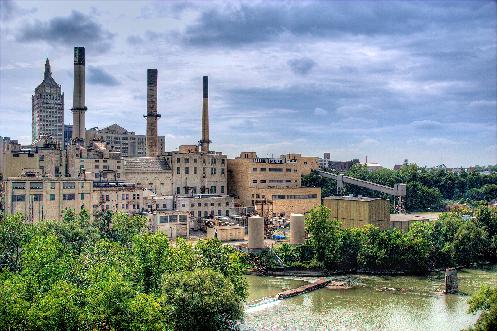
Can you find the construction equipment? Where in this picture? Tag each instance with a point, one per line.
(399, 191)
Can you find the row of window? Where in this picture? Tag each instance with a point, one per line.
(187, 190)
(273, 169)
(187, 171)
(39, 185)
(294, 196)
(187, 160)
(39, 197)
(272, 181)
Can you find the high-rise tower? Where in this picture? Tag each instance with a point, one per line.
(204, 143)
(152, 115)
(48, 109)
(78, 103)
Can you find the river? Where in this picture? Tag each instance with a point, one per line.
(374, 303)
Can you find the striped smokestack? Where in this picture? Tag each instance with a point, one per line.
(152, 116)
(78, 103)
(204, 143)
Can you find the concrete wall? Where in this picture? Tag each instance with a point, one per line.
(357, 212)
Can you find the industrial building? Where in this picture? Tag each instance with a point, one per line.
(40, 198)
(272, 185)
(359, 211)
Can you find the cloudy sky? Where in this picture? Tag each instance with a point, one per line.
(391, 80)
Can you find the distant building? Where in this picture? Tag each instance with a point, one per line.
(67, 135)
(121, 140)
(373, 166)
(48, 109)
(340, 166)
(272, 185)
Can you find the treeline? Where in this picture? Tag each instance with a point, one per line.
(427, 189)
(112, 274)
(448, 242)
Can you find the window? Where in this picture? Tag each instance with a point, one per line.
(182, 218)
(69, 185)
(222, 188)
(254, 169)
(164, 206)
(178, 171)
(97, 166)
(37, 197)
(69, 196)
(213, 171)
(36, 185)
(52, 185)
(222, 161)
(178, 160)
(183, 205)
(52, 197)
(194, 160)
(18, 185)
(222, 171)
(194, 170)
(263, 169)
(254, 181)
(107, 197)
(82, 196)
(227, 203)
(288, 170)
(212, 204)
(163, 219)
(263, 180)
(18, 197)
(219, 212)
(275, 170)
(213, 189)
(187, 170)
(122, 196)
(187, 160)
(177, 190)
(192, 205)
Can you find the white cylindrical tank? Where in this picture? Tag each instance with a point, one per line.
(297, 229)
(256, 232)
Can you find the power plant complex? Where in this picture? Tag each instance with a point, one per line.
(112, 169)
(189, 189)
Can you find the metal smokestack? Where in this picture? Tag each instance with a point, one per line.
(204, 143)
(78, 103)
(152, 116)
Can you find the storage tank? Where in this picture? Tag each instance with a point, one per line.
(297, 229)
(256, 232)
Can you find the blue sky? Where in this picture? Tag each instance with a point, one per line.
(391, 80)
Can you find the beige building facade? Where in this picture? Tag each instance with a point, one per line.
(41, 198)
(205, 205)
(272, 185)
(194, 172)
(152, 173)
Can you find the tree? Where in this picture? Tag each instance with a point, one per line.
(484, 301)
(14, 233)
(202, 299)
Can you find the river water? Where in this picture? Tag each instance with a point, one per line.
(374, 303)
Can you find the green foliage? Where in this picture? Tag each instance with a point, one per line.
(447, 242)
(484, 301)
(111, 274)
(14, 233)
(202, 300)
(427, 189)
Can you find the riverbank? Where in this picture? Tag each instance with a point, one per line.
(373, 303)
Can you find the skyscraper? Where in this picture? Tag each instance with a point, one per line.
(48, 109)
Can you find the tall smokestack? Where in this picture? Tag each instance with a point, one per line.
(204, 143)
(78, 103)
(152, 116)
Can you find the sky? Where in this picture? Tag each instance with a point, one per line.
(390, 80)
